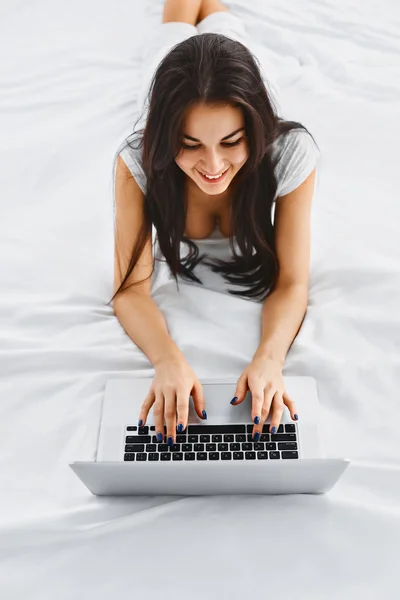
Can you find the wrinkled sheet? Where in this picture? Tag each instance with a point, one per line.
(69, 79)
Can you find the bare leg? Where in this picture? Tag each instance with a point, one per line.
(185, 11)
(211, 6)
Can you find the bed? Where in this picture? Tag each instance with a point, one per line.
(69, 80)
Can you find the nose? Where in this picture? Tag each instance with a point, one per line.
(213, 163)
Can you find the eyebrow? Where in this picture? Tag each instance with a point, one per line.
(224, 138)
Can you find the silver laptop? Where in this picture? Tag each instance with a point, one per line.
(215, 456)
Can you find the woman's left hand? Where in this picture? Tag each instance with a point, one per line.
(264, 379)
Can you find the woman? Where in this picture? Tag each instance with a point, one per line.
(213, 159)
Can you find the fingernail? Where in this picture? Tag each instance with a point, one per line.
(204, 414)
(140, 423)
(256, 436)
(296, 417)
(256, 420)
(160, 437)
(234, 399)
(273, 430)
(180, 428)
(170, 442)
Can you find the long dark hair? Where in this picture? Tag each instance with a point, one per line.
(213, 69)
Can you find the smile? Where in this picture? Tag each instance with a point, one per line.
(215, 178)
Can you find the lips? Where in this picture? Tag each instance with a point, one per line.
(213, 180)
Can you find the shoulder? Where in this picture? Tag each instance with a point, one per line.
(294, 156)
(133, 160)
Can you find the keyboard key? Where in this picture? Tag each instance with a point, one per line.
(198, 447)
(290, 427)
(204, 438)
(138, 439)
(222, 447)
(211, 447)
(190, 456)
(175, 448)
(131, 428)
(181, 438)
(229, 437)
(216, 438)
(226, 455)
(213, 456)
(141, 456)
(234, 446)
(187, 447)
(258, 446)
(238, 456)
(134, 448)
(250, 455)
(240, 438)
(270, 446)
(162, 447)
(201, 456)
(129, 456)
(262, 455)
(274, 455)
(143, 430)
(264, 437)
(283, 437)
(151, 448)
(153, 456)
(247, 446)
(216, 429)
(290, 454)
(287, 446)
(177, 456)
(166, 456)
(193, 438)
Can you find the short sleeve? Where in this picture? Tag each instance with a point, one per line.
(296, 154)
(131, 158)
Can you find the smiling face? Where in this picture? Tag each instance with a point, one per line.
(208, 147)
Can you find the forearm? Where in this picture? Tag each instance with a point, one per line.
(145, 324)
(283, 313)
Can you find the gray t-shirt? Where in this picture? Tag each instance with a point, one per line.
(296, 156)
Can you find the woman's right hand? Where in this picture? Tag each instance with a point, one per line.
(174, 381)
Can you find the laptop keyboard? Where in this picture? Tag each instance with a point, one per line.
(212, 442)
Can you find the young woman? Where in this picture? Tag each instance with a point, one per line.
(212, 162)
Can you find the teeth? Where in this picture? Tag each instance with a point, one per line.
(213, 177)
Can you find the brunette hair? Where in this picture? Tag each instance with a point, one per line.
(213, 69)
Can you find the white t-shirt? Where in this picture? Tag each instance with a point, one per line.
(296, 155)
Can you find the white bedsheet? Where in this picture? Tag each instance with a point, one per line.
(69, 79)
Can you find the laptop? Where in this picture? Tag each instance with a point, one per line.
(213, 456)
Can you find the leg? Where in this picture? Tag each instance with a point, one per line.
(211, 6)
(185, 11)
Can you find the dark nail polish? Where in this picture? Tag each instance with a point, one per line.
(234, 400)
(273, 430)
(170, 442)
(204, 414)
(256, 436)
(140, 423)
(159, 437)
(296, 417)
(256, 420)
(180, 428)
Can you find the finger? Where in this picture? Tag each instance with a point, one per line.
(158, 412)
(146, 405)
(197, 394)
(257, 400)
(182, 409)
(277, 411)
(170, 415)
(267, 396)
(291, 406)
(241, 390)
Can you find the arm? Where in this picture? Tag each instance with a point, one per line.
(284, 309)
(134, 308)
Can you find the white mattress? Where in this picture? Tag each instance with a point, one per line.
(69, 77)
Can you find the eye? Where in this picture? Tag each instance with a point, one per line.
(225, 144)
